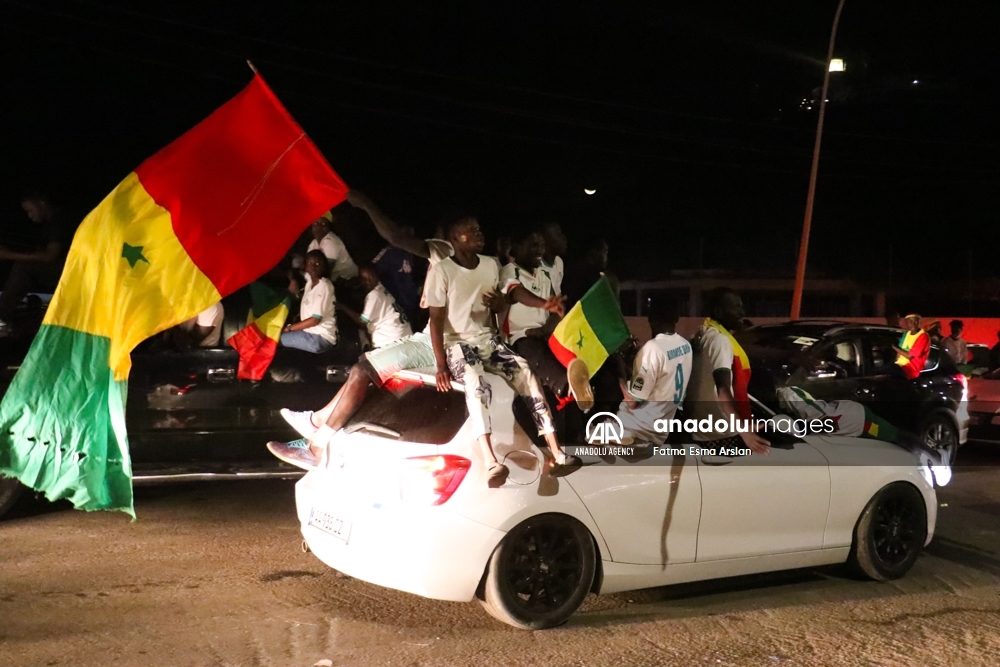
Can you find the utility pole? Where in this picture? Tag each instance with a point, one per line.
(800, 270)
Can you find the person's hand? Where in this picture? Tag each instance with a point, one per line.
(495, 301)
(756, 444)
(358, 199)
(443, 378)
(556, 304)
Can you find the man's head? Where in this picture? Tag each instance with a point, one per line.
(663, 314)
(528, 249)
(956, 328)
(597, 253)
(726, 307)
(892, 318)
(555, 240)
(368, 277)
(316, 265)
(913, 322)
(38, 206)
(320, 228)
(464, 234)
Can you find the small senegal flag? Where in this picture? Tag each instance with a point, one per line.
(257, 342)
(591, 330)
(204, 216)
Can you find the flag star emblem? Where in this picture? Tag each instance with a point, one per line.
(579, 343)
(133, 255)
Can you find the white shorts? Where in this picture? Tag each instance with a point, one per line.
(404, 354)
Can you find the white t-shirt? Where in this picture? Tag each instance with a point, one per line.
(210, 317)
(660, 377)
(385, 319)
(714, 352)
(319, 301)
(519, 316)
(556, 272)
(343, 267)
(461, 290)
(438, 250)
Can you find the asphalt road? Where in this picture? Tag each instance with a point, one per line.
(213, 574)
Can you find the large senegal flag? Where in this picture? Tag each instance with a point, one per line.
(198, 220)
(592, 329)
(257, 342)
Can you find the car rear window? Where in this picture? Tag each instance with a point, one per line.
(418, 413)
(782, 338)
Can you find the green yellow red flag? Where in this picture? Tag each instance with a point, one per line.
(198, 220)
(257, 342)
(592, 329)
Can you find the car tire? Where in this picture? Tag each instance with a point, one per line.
(10, 491)
(939, 431)
(540, 572)
(890, 532)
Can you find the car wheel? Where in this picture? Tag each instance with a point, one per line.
(540, 573)
(890, 533)
(940, 433)
(10, 490)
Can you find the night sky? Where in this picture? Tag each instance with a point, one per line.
(687, 119)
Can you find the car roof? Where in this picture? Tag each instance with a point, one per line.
(820, 328)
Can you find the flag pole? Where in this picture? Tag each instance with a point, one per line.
(252, 68)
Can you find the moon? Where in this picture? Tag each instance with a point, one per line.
(588, 191)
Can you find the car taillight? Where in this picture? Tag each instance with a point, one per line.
(432, 480)
(965, 386)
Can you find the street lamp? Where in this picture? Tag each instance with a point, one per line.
(800, 270)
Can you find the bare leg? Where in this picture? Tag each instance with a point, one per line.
(344, 404)
(487, 445)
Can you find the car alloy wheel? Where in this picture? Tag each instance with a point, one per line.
(890, 532)
(540, 573)
(940, 433)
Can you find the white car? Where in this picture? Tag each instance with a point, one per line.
(401, 500)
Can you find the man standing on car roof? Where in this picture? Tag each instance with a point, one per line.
(460, 292)
(720, 375)
(913, 348)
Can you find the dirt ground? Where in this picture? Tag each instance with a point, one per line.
(213, 574)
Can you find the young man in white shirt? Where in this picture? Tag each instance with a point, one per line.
(660, 377)
(956, 346)
(460, 292)
(527, 329)
(555, 247)
(382, 317)
(316, 330)
(202, 330)
(342, 267)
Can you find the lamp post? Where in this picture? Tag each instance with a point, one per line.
(800, 270)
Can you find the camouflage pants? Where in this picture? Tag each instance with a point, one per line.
(468, 363)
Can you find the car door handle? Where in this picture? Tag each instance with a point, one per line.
(717, 460)
(220, 375)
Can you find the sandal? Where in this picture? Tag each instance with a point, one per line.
(497, 475)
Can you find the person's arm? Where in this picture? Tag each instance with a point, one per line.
(304, 324)
(723, 378)
(352, 314)
(48, 254)
(443, 375)
(520, 294)
(388, 229)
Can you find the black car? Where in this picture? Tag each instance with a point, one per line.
(842, 361)
(188, 415)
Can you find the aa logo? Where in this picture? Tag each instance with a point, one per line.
(607, 429)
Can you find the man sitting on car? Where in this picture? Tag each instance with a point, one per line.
(382, 316)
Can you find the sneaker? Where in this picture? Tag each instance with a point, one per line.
(579, 384)
(497, 475)
(296, 452)
(300, 421)
(566, 464)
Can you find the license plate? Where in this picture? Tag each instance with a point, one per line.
(328, 523)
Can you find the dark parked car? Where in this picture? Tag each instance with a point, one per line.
(841, 361)
(189, 417)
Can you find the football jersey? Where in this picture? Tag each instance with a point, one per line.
(659, 380)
